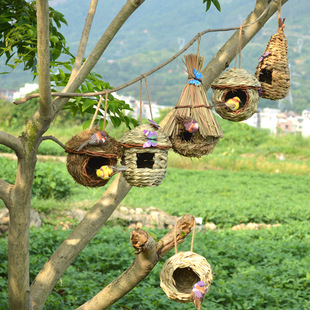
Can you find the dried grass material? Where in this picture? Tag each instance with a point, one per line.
(273, 71)
(236, 82)
(82, 164)
(147, 166)
(181, 271)
(193, 103)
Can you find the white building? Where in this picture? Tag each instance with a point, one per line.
(23, 91)
(269, 119)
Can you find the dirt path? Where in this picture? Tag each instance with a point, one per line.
(40, 157)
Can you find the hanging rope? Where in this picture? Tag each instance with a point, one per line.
(175, 237)
(96, 113)
(239, 48)
(105, 109)
(148, 95)
(140, 101)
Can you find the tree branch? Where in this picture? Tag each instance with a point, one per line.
(53, 139)
(84, 39)
(12, 142)
(76, 241)
(44, 58)
(145, 261)
(5, 192)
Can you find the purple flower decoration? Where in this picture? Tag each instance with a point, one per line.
(260, 92)
(261, 58)
(153, 123)
(152, 137)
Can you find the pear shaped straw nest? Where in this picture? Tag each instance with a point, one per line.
(181, 271)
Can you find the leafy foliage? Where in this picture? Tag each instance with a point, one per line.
(209, 2)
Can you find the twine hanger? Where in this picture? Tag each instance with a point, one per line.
(175, 237)
(280, 20)
(97, 109)
(148, 96)
(239, 48)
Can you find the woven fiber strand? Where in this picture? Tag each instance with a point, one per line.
(181, 271)
(82, 164)
(193, 103)
(273, 71)
(146, 166)
(236, 82)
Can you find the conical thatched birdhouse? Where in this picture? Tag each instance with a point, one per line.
(192, 127)
(85, 156)
(272, 70)
(145, 155)
(181, 271)
(236, 83)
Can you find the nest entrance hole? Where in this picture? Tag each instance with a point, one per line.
(95, 163)
(185, 136)
(145, 160)
(265, 76)
(237, 93)
(185, 278)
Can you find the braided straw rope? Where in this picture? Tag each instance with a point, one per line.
(144, 176)
(234, 80)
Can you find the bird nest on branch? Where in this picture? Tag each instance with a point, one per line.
(82, 163)
(181, 271)
(236, 82)
(272, 70)
(145, 155)
(193, 106)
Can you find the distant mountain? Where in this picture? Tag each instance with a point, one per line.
(158, 29)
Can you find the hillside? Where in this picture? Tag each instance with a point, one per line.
(160, 28)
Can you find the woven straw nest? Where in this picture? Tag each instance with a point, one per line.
(146, 166)
(181, 271)
(193, 103)
(82, 164)
(236, 82)
(273, 71)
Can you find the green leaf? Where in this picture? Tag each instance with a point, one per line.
(217, 5)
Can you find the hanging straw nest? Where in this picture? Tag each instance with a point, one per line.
(236, 82)
(181, 271)
(147, 166)
(272, 70)
(82, 164)
(193, 104)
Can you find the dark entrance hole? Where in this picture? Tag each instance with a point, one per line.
(145, 160)
(186, 136)
(185, 278)
(237, 93)
(95, 163)
(265, 76)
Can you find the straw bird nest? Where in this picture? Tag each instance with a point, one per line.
(181, 271)
(82, 164)
(236, 82)
(193, 104)
(146, 166)
(272, 70)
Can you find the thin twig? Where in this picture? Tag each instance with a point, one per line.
(142, 76)
(53, 139)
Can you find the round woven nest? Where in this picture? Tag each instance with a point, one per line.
(273, 71)
(146, 166)
(82, 164)
(181, 271)
(236, 82)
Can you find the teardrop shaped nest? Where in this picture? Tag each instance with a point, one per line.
(236, 82)
(273, 70)
(82, 165)
(146, 166)
(181, 271)
(193, 103)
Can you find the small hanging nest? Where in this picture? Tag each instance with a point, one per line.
(181, 271)
(193, 105)
(147, 165)
(236, 82)
(82, 164)
(272, 70)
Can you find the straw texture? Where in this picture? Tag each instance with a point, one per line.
(236, 82)
(181, 271)
(147, 166)
(193, 103)
(82, 164)
(273, 71)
